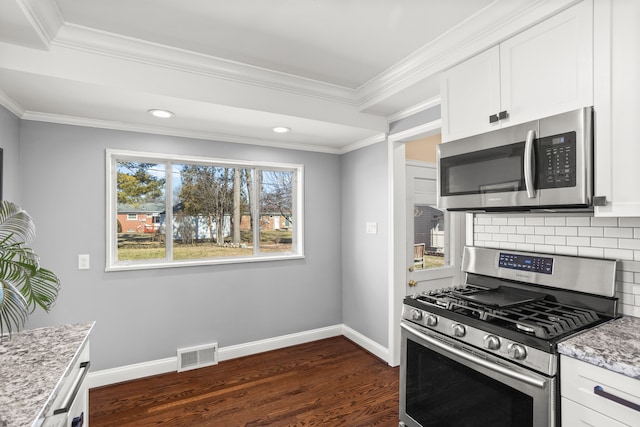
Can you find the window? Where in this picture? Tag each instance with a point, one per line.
(199, 210)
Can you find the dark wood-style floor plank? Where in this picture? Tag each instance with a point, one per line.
(331, 382)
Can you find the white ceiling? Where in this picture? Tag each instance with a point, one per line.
(334, 71)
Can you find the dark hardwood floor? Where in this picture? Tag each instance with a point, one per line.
(330, 382)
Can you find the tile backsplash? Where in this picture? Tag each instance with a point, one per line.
(574, 234)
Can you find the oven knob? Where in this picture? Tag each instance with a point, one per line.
(431, 320)
(518, 352)
(458, 330)
(416, 314)
(492, 342)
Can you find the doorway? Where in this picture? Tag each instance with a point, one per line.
(427, 242)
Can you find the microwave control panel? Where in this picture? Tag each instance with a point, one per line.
(556, 159)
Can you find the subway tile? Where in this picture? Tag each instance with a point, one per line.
(567, 250)
(483, 220)
(636, 233)
(579, 241)
(566, 231)
(618, 232)
(534, 239)
(495, 245)
(478, 228)
(629, 244)
(618, 254)
(516, 238)
(632, 266)
(527, 247)
(604, 222)
(624, 276)
(508, 229)
(591, 252)
(492, 228)
(523, 229)
(555, 220)
(545, 248)
(535, 220)
(600, 242)
(555, 240)
(508, 245)
(500, 238)
(545, 231)
(636, 255)
(591, 231)
(483, 236)
(636, 278)
(499, 220)
(578, 221)
(629, 222)
(515, 220)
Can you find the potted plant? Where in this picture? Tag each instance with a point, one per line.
(24, 285)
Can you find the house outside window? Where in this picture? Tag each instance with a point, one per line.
(167, 211)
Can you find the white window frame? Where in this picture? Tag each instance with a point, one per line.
(132, 217)
(112, 263)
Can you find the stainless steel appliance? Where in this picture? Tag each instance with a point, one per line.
(485, 353)
(543, 164)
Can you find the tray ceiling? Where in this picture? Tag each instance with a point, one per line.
(334, 71)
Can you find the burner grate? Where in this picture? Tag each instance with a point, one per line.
(546, 319)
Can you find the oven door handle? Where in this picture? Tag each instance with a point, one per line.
(475, 359)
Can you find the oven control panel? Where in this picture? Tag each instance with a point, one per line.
(533, 264)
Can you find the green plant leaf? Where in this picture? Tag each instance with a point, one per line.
(16, 225)
(13, 308)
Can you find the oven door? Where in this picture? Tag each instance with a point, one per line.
(444, 383)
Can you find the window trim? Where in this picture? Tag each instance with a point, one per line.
(111, 261)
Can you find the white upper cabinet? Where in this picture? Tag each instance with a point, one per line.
(470, 93)
(617, 106)
(545, 70)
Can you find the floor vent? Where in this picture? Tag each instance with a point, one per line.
(197, 357)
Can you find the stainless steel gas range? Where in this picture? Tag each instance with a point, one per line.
(485, 353)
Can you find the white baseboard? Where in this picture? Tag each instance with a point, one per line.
(366, 343)
(170, 364)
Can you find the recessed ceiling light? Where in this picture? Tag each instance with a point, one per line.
(162, 114)
(281, 129)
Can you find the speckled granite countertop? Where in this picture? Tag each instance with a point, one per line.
(614, 346)
(32, 365)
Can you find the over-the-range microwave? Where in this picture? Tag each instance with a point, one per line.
(543, 164)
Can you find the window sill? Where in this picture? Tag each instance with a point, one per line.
(196, 263)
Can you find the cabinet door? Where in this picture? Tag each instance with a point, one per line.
(470, 93)
(548, 69)
(617, 107)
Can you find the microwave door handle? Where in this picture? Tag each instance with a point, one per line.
(529, 166)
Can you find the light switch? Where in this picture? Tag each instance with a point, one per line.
(83, 262)
(372, 228)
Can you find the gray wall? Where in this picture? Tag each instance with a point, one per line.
(145, 315)
(10, 143)
(365, 257)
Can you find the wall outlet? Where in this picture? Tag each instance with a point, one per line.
(83, 262)
(372, 228)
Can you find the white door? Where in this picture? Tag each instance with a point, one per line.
(434, 236)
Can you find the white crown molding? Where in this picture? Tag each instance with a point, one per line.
(44, 16)
(94, 41)
(156, 130)
(494, 23)
(11, 105)
(414, 109)
(426, 128)
(363, 143)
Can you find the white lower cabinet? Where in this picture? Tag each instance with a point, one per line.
(594, 396)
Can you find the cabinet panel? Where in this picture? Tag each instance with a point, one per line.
(470, 94)
(547, 69)
(575, 415)
(578, 380)
(542, 71)
(617, 106)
